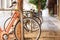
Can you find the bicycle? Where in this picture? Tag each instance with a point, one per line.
(38, 16)
(13, 26)
(31, 24)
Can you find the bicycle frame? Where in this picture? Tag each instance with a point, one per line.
(12, 22)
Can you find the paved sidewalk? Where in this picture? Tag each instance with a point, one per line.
(56, 21)
(50, 23)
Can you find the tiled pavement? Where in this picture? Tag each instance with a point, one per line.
(50, 23)
(50, 29)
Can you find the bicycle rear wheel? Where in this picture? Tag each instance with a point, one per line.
(33, 26)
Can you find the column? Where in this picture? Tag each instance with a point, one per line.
(0, 3)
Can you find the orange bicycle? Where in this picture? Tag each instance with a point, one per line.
(13, 27)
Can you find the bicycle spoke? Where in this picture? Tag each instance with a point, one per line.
(33, 27)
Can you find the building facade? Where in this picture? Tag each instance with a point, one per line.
(58, 8)
(54, 8)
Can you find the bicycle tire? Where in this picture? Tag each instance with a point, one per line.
(41, 21)
(28, 18)
(17, 32)
(37, 38)
(38, 19)
(5, 22)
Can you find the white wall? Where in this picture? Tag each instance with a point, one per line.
(28, 6)
(4, 14)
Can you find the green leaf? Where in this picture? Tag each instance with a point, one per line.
(35, 2)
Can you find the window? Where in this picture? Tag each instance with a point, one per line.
(0, 3)
(5, 4)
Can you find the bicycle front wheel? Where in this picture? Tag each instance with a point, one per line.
(17, 30)
(31, 24)
(32, 27)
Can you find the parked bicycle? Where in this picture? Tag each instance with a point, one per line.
(32, 23)
(13, 26)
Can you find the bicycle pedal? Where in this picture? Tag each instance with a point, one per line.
(11, 32)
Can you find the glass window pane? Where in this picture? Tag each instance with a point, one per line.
(0, 3)
(5, 4)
